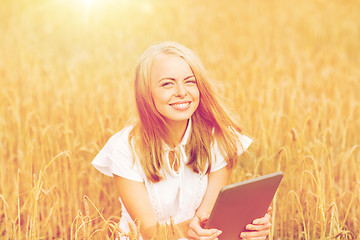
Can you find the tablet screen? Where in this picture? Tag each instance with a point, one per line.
(240, 203)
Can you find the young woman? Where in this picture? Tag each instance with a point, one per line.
(171, 165)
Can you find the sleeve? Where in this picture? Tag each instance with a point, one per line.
(116, 157)
(218, 160)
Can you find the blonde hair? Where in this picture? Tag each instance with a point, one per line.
(210, 121)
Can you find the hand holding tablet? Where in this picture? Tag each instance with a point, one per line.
(237, 205)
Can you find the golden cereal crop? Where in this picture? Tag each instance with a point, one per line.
(289, 69)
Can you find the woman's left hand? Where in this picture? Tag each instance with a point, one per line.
(259, 228)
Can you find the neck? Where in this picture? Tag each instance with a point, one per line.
(178, 129)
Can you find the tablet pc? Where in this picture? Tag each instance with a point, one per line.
(240, 203)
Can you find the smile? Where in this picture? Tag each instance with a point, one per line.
(181, 106)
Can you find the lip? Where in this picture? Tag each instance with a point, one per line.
(180, 102)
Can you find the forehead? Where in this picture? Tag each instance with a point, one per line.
(171, 66)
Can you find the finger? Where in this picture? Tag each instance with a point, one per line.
(255, 234)
(262, 220)
(196, 230)
(194, 235)
(203, 216)
(260, 227)
(256, 238)
(204, 232)
(199, 231)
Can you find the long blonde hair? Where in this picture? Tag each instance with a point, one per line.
(209, 122)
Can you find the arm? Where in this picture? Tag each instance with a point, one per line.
(217, 180)
(132, 193)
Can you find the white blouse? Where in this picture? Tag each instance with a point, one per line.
(178, 195)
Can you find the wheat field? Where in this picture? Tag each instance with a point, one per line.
(289, 69)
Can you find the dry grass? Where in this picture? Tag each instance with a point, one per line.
(290, 69)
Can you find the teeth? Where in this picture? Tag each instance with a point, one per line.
(180, 104)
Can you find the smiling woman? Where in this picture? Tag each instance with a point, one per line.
(180, 152)
(288, 70)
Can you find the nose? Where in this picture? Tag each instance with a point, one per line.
(180, 90)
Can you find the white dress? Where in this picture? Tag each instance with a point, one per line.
(178, 195)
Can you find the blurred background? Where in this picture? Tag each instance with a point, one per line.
(289, 69)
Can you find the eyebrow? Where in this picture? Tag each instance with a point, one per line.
(173, 79)
(189, 77)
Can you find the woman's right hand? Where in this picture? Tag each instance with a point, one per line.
(197, 230)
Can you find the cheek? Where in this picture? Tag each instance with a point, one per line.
(157, 103)
(160, 98)
(196, 94)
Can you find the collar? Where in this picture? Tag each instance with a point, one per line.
(184, 140)
(182, 162)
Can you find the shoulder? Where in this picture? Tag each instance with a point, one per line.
(123, 132)
(120, 138)
(117, 157)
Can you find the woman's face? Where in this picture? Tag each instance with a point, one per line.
(174, 89)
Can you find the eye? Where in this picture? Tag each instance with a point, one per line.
(191, 82)
(167, 84)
